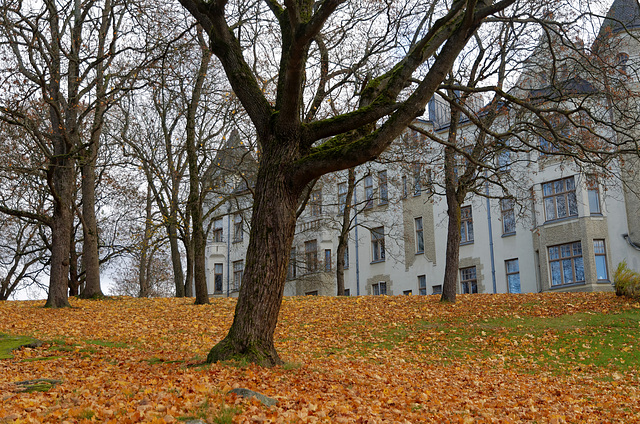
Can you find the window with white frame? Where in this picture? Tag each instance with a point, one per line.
(377, 244)
(566, 264)
(346, 257)
(466, 225)
(503, 160)
(559, 199)
(601, 260)
(404, 186)
(422, 284)
(347, 292)
(513, 275)
(594, 195)
(407, 292)
(508, 216)
(383, 189)
(379, 288)
(437, 289)
(217, 278)
(342, 197)
(468, 280)
(293, 269)
(238, 271)
(218, 231)
(327, 260)
(368, 191)
(311, 255)
(417, 179)
(419, 235)
(237, 227)
(315, 201)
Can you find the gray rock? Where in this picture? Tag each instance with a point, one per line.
(246, 393)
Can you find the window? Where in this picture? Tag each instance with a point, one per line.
(217, 231)
(238, 271)
(513, 275)
(621, 62)
(508, 216)
(237, 227)
(466, 225)
(342, 197)
(383, 189)
(404, 187)
(293, 269)
(417, 183)
(437, 289)
(379, 288)
(601, 260)
(594, 195)
(368, 190)
(559, 199)
(377, 244)
(468, 280)
(407, 292)
(347, 292)
(327, 260)
(419, 236)
(311, 255)
(549, 141)
(316, 203)
(346, 257)
(566, 264)
(217, 278)
(503, 161)
(311, 293)
(422, 284)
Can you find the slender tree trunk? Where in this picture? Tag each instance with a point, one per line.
(74, 281)
(176, 260)
(90, 256)
(143, 274)
(261, 292)
(343, 238)
(195, 198)
(188, 284)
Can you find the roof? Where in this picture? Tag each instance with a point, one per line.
(571, 87)
(624, 15)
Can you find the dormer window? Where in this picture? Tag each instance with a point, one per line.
(621, 62)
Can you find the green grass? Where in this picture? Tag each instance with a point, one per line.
(9, 343)
(37, 385)
(105, 343)
(40, 358)
(559, 343)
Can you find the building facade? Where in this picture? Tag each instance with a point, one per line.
(567, 229)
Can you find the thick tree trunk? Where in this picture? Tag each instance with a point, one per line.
(343, 238)
(271, 235)
(453, 250)
(61, 183)
(90, 257)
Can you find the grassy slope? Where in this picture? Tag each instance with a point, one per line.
(536, 358)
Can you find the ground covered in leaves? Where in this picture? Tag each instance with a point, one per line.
(487, 358)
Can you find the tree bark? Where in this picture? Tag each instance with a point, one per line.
(256, 316)
(195, 198)
(176, 260)
(143, 274)
(343, 238)
(61, 184)
(90, 256)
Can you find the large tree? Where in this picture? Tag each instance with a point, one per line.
(294, 152)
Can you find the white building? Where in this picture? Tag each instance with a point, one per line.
(567, 234)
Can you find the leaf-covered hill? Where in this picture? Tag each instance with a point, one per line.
(488, 358)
